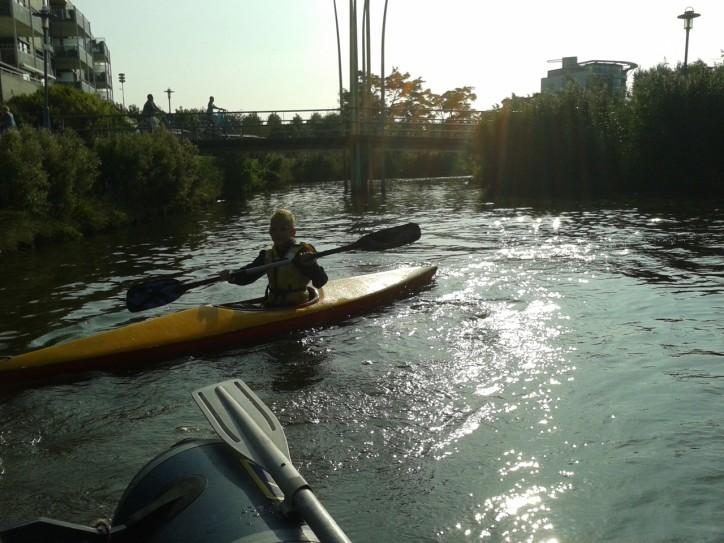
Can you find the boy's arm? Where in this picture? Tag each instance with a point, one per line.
(240, 277)
(307, 265)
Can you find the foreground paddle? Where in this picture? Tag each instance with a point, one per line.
(246, 424)
(165, 290)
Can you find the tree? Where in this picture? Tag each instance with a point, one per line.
(407, 100)
(69, 108)
(456, 104)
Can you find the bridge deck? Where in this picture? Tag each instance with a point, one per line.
(301, 143)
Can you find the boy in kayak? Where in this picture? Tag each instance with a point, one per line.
(287, 284)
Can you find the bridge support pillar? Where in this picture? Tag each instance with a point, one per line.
(359, 175)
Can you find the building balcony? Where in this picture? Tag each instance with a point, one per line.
(71, 57)
(103, 80)
(66, 21)
(21, 60)
(16, 19)
(70, 80)
(101, 53)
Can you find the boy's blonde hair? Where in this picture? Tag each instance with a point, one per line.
(285, 216)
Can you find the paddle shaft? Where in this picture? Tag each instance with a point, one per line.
(265, 267)
(162, 291)
(292, 484)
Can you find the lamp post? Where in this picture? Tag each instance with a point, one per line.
(688, 16)
(339, 54)
(122, 80)
(44, 15)
(383, 106)
(168, 92)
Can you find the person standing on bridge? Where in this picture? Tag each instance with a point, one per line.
(287, 284)
(214, 120)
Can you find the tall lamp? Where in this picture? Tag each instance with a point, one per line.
(122, 80)
(168, 91)
(44, 15)
(688, 16)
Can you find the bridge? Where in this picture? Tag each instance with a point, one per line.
(294, 130)
(324, 129)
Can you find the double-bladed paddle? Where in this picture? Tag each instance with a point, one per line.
(164, 290)
(246, 424)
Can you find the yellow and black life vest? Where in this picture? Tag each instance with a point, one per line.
(287, 285)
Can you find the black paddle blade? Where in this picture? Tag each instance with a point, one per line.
(397, 236)
(154, 294)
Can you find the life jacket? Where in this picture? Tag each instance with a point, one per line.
(287, 285)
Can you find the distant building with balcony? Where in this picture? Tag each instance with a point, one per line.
(75, 57)
(102, 73)
(21, 48)
(79, 59)
(608, 74)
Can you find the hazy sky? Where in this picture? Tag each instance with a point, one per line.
(282, 54)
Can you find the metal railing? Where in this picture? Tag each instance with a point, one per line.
(277, 124)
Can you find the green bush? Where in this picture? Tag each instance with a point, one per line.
(72, 170)
(24, 183)
(69, 108)
(674, 137)
(310, 167)
(276, 170)
(152, 173)
(243, 176)
(665, 138)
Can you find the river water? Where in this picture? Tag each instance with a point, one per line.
(561, 379)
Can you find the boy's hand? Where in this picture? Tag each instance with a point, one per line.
(231, 275)
(303, 259)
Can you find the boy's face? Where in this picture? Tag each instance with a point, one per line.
(281, 232)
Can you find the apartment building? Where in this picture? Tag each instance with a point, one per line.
(610, 74)
(77, 58)
(21, 48)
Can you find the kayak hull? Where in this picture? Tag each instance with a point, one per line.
(209, 328)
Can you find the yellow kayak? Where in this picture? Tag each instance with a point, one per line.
(210, 327)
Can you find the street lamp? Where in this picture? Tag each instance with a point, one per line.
(688, 16)
(122, 80)
(339, 54)
(44, 15)
(168, 91)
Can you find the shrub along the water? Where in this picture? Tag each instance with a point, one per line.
(153, 173)
(55, 187)
(666, 138)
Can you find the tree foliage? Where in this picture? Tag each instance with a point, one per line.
(45, 173)
(69, 108)
(152, 173)
(408, 100)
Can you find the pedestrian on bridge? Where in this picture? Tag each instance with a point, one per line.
(214, 120)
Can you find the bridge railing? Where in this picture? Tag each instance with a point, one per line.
(277, 124)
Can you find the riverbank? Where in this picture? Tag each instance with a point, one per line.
(58, 187)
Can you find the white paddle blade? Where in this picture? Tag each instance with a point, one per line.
(219, 410)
